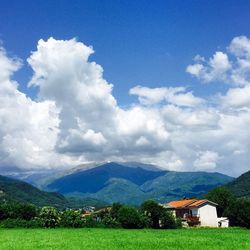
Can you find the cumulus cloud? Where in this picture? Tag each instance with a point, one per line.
(87, 108)
(232, 67)
(178, 96)
(237, 98)
(216, 68)
(75, 118)
(206, 160)
(28, 129)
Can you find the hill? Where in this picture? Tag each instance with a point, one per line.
(241, 185)
(16, 190)
(132, 184)
(93, 180)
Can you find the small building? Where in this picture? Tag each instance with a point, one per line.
(223, 222)
(196, 212)
(89, 209)
(97, 213)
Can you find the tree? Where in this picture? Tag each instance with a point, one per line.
(223, 197)
(50, 217)
(110, 222)
(129, 217)
(115, 209)
(27, 211)
(71, 218)
(238, 212)
(153, 211)
(15, 210)
(168, 221)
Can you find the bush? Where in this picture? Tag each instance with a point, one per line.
(16, 210)
(91, 222)
(49, 217)
(129, 217)
(21, 223)
(27, 211)
(153, 211)
(71, 218)
(178, 222)
(115, 209)
(110, 222)
(168, 220)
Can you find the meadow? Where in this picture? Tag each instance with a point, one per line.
(94, 238)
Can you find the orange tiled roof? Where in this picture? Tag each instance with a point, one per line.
(87, 214)
(197, 203)
(186, 203)
(181, 203)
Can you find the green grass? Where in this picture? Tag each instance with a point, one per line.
(232, 238)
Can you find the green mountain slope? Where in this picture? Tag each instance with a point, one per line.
(113, 182)
(119, 190)
(15, 190)
(241, 185)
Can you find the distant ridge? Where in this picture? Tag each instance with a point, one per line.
(94, 179)
(19, 191)
(241, 185)
(133, 182)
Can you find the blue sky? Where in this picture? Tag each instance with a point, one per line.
(137, 42)
(175, 91)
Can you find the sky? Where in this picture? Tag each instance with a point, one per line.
(161, 82)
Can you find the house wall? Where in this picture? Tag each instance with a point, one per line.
(208, 215)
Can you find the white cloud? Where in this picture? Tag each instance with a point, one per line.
(76, 119)
(237, 98)
(28, 129)
(215, 69)
(206, 160)
(235, 70)
(240, 47)
(178, 96)
(64, 75)
(195, 69)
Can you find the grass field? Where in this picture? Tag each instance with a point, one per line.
(232, 238)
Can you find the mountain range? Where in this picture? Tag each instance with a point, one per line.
(20, 191)
(104, 183)
(132, 183)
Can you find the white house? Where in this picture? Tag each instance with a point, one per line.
(197, 212)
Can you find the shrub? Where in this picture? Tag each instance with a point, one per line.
(92, 221)
(12, 223)
(153, 211)
(49, 217)
(178, 222)
(129, 217)
(16, 210)
(115, 209)
(27, 211)
(168, 220)
(21, 223)
(71, 218)
(110, 222)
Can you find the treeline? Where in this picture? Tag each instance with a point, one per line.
(149, 215)
(236, 209)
